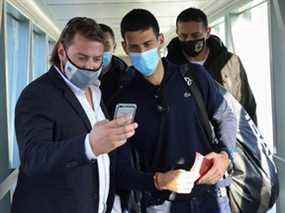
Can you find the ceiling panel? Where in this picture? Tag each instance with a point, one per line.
(115, 10)
(118, 1)
(111, 12)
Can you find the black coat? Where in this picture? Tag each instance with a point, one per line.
(118, 76)
(225, 67)
(55, 174)
(112, 80)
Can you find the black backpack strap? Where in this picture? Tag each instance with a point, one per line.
(192, 82)
(125, 79)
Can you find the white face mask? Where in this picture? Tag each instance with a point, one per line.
(82, 78)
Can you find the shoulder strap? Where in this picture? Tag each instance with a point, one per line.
(125, 78)
(192, 82)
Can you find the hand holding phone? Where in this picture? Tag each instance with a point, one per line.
(106, 135)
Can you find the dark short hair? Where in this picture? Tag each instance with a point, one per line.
(192, 14)
(86, 27)
(106, 29)
(139, 19)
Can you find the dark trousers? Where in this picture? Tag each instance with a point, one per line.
(212, 201)
(203, 199)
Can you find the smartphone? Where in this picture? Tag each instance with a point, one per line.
(125, 109)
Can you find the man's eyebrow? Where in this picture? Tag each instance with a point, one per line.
(196, 34)
(148, 41)
(184, 34)
(82, 54)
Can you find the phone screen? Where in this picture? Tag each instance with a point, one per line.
(128, 110)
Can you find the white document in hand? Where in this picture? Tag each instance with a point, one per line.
(200, 167)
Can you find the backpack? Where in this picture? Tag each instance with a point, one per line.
(124, 80)
(255, 185)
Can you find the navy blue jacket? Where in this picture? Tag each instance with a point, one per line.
(55, 174)
(183, 132)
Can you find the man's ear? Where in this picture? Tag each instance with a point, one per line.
(178, 26)
(115, 46)
(161, 40)
(124, 45)
(208, 32)
(61, 52)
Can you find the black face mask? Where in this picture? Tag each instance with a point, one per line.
(193, 47)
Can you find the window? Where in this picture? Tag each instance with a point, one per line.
(17, 35)
(51, 44)
(246, 31)
(218, 29)
(39, 53)
(250, 33)
(27, 53)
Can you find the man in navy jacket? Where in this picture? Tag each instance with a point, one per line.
(169, 133)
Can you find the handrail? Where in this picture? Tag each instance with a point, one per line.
(281, 159)
(8, 183)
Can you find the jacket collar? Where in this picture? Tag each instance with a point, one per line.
(69, 96)
(214, 43)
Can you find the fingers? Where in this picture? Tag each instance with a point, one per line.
(120, 134)
(114, 131)
(217, 171)
(213, 175)
(122, 137)
(121, 121)
(209, 175)
(124, 129)
(211, 179)
(211, 155)
(108, 135)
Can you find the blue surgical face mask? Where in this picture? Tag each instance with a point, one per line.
(107, 57)
(82, 78)
(146, 62)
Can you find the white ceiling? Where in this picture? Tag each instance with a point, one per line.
(110, 12)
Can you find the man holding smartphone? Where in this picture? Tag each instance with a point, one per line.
(169, 133)
(65, 141)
